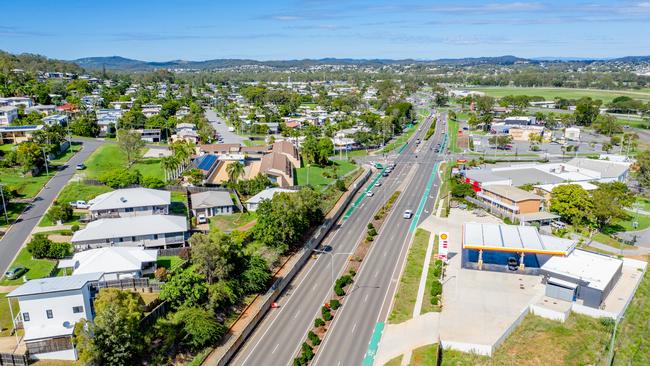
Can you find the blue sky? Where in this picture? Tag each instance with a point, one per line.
(276, 30)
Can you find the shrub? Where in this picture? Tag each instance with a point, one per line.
(377, 217)
(318, 322)
(436, 288)
(370, 238)
(313, 338)
(372, 232)
(59, 250)
(434, 300)
(161, 274)
(152, 182)
(352, 272)
(74, 228)
(327, 314)
(307, 352)
(120, 178)
(340, 185)
(39, 246)
(59, 212)
(66, 232)
(185, 253)
(370, 226)
(335, 304)
(338, 290)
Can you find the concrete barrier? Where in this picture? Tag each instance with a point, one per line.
(547, 313)
(224, 353)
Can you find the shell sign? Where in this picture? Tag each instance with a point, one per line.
(443, 246)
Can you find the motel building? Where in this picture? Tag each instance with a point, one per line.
(569, 274)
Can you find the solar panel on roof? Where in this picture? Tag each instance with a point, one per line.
(205, 162)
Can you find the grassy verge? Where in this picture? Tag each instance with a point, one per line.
(645, 203)
(427, 305)
(314, 176)
(109, 157)
(25, 186)
(452, 130)
(633, 336)
(581, 340)
(228, 223)
(643, 221)
(399, 141)
(45, 221)
(425, 356)
(608, 240)
(75, 191)
(332, 194)
(397, 361)
(14, 209)
(407, 291)
(5, 315)
(74, 148)
(36, 268)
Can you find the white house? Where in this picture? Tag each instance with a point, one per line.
(153, 231)
(130, 202)
(115, 262)
(55, 119)
(49, 309)
(211, 203)
(267, 194)
(572, 133)
(8, 114)
(17, 101)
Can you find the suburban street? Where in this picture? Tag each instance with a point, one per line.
(14, 238)
(221, 128)
(278, 337)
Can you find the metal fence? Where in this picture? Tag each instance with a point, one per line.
(11, 359)
(130, 284)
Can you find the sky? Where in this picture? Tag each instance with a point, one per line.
(165, 30)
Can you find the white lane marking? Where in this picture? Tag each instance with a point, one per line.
(365, 298)
(354, 327)
(386, 252)
(297, 312)
(315, 285)
(376, 273)
(276, 347)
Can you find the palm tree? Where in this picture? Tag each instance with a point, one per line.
(169, 164)
(235, 170)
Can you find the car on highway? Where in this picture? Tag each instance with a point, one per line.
(378, 184)
(385, 174)
(80, 167)
(81, 204)
(408, 214)
(15, 272)
(369, 194)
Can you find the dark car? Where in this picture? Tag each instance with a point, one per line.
(15, 272)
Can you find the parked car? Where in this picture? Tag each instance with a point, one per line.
(80, 204)
(513, 264)
(15, 272)
(201, 219)
(408, 214)
(80, 167)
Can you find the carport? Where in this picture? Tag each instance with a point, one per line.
(496, 245)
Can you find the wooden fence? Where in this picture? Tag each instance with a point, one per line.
(11, 359)
(156, 313)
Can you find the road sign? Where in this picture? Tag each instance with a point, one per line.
(443, 245)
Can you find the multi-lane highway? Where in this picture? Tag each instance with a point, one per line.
(277, 339)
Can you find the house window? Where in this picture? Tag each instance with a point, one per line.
(25, 317)
(128, 209)
(155, 236)
(77, 309)
(49, 314)
(133, 238)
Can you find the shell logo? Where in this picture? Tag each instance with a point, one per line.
(443, 236)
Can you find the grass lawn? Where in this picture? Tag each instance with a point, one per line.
(453, 136)
(397, 361)
(316, 178)
(581, 340)
(14, 209)
(643, 221)
(425, 356)
(36, 268)
(228, 223)
(632, 342)
(74, 148)
(26, 186)
(169, 262)
(608, 240)
(351, 154)
(427, 306)
(645, 203)
(109, 157)
(410, 280)
(178, 204)
(636, 123)
(45, 221)
(5, 316)
(400, 141)
(568, 93)
(75, 191)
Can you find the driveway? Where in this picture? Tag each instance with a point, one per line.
(18, 233)
(222, 129)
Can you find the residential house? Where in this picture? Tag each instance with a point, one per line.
(154, 231)
(115, 262)
(512, 200)
(50, 308)
(18, 134)
(212, 203)
(130, 202)
(8, 114)
(150, 110)
(43, 109)
(55, 119)
(150, 134)
(287, 149)
(106, 117)
(253, 203)
(278, 168)
(17, 101)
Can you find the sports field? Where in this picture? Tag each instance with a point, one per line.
(567, 93)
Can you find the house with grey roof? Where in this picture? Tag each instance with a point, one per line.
(267, 194)
(152, 231)
(49, 309)
(130, 202)
(211, 203)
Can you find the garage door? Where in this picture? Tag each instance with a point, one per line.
(559, 289)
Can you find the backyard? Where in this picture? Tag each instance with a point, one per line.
(228, 223)
(109, 157)
(314, 175)
(5, 315)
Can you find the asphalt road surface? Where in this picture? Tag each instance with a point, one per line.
(13, 239)
(222, 129)
(277, 339)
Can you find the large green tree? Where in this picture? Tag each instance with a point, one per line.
(572, 203)
(643, 167)
(185, 288)
(216, 255)
(131, 144)
(609, 202)
(586, 111)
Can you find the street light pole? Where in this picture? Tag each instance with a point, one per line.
(331, 260)
(47, 169)
(4, 205)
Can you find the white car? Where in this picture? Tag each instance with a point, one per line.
(369, 194)
(408, 214)
(201, 219)
(378, 184)
(80, 204)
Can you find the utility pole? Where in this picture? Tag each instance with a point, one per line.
(47, 169)
(4, 205)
